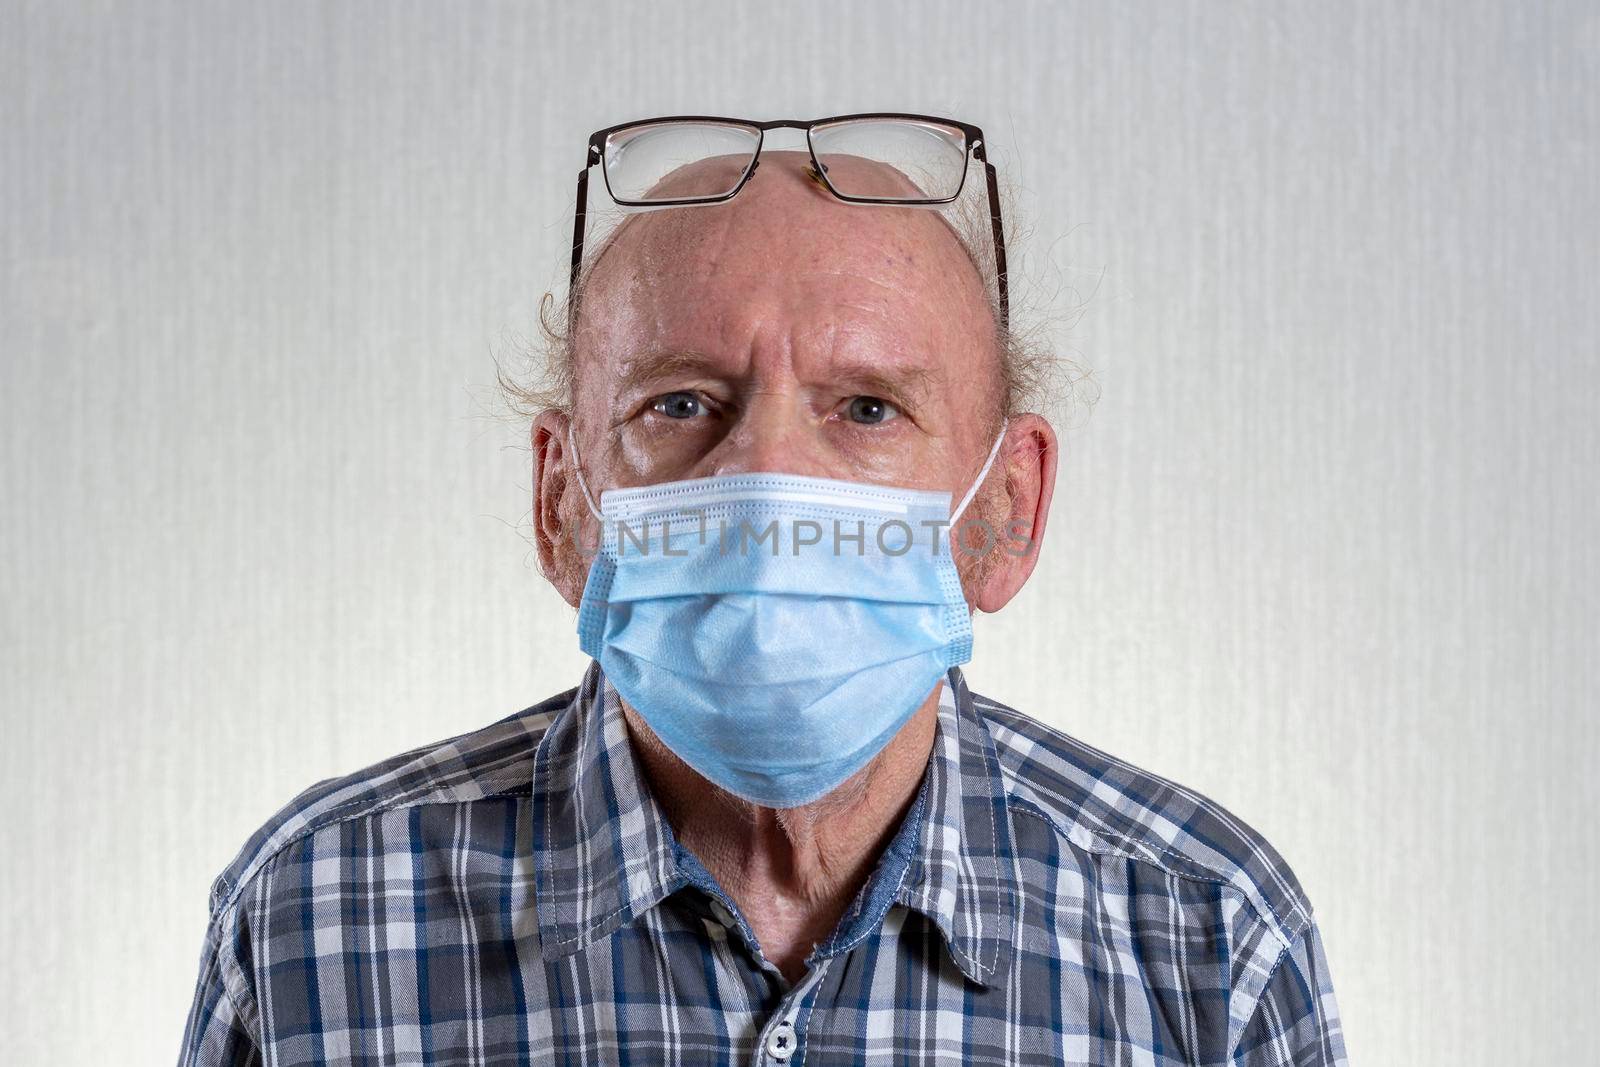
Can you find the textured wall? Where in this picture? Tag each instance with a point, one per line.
(1324, 551)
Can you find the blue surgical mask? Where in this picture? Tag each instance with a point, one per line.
(775, 631)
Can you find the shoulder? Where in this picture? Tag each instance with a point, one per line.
(1105, 806)
(496, 760)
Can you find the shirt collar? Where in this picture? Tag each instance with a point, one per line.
(604, 854)
(963, 872)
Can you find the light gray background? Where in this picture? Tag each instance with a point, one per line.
(1324, 551)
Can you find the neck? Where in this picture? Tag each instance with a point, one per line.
(792, 871)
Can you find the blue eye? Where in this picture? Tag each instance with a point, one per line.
(871, 409)
(678, 405)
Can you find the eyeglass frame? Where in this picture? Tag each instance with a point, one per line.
(974, 146)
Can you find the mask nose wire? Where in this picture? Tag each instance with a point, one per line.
(577, 469)
(994, 451)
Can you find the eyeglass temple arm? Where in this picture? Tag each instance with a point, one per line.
(577, 228)
(999, 239)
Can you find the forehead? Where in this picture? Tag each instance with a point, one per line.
(787, 247)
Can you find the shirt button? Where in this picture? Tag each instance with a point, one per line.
(780, 1043)
(720, 912)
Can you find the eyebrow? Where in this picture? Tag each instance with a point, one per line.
(905, 385)
(646, 368)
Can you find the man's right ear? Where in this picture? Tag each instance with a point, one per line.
(556, 521)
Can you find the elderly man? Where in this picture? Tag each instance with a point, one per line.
(772, 824)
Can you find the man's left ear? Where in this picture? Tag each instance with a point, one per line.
(1028, 458)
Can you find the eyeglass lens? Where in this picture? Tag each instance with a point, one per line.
(886, 160)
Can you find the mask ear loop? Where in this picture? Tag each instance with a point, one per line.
(976, 485)
(577, 469)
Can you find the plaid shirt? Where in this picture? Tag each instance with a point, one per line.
(515, 895)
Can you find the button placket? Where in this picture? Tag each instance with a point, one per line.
(781, 1044)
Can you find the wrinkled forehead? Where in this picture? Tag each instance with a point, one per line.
(785, 222)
